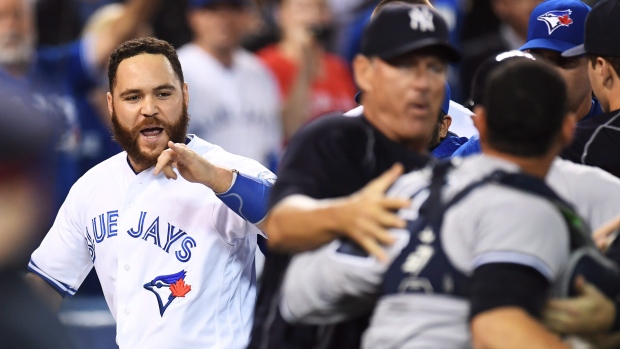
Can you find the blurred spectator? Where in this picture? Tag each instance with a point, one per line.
(56, 75)
(312, 81)
(96, 143)
(25, 135)
(236, 104)
(512, 33)
(445, 142)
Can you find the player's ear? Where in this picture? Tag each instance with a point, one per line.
(480, 121)
(362, 72)
(186, 94)
(110, 103)
(445, 126)
(605, 72)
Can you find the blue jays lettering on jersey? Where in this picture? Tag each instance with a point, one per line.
(165, 251)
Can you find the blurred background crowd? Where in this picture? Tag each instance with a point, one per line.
(257, 70)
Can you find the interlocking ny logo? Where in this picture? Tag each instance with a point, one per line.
(422, 19)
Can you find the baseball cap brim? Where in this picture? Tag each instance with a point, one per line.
(547, 44)
(575, 51)
(435, 45)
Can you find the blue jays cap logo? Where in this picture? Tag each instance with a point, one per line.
(174, 282)
(556, 19)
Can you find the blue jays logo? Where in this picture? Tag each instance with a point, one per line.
(174, 282)
(556, 19)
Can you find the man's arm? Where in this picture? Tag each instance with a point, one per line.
(48, 295)
(511, 327)
(334, 283)
(506, 298)
(247, 196)
(135, 14)
(300, 223)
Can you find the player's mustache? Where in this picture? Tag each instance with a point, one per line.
(151, 121)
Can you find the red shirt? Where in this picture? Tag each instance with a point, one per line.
(332, 91)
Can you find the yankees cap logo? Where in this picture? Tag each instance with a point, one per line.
(421, 19)
(174, 282)
(556, 19)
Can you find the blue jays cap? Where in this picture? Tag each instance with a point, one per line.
(402, 29)
(602, 31)
(445, 105)
(207, 3)
(557, 25)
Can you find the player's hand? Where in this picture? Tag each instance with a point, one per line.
(591, 312)
(366, 216)
(605, 235)
(193, 167)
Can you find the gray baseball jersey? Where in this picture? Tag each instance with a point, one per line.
(493, 224)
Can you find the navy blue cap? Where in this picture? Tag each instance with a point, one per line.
(400, 29)
(207, 3)
(557, 25)
(602, 31)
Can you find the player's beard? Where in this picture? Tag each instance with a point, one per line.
(128, 139)
(16, 50)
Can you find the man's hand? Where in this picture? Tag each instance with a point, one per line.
(589, 313)
(193, 167)
(605, 235)
(366, 216)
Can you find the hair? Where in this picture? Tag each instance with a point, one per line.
(140, 46)
(526, 103)
(613, 61)
(383, 3)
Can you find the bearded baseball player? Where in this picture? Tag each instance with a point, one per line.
(169, 224)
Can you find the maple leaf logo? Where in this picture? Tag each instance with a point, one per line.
(179, 288)
(565, 20)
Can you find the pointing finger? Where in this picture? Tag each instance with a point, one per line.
(179, 148)
(162, 161)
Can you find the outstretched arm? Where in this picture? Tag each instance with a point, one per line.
(244, 194)
(48, 295)
(300, 223)
(136, 13)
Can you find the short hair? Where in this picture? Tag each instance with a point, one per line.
(613, 61)
(139, 46)
(526, 103)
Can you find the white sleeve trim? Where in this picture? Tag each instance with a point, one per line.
(59, 286)
(515, 258)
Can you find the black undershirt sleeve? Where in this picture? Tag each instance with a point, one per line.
(498, 285)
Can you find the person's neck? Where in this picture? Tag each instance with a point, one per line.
(136, 167)
(222, 55)
(534, 166)
(614, 96)
(584, 108)
(381, 121)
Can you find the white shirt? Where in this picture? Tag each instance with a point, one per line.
(235, 107)
(134, 228)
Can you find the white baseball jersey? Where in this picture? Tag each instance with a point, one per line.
(235, 107)
(493, 224)
(175, 263)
